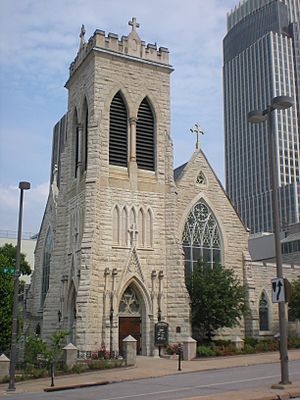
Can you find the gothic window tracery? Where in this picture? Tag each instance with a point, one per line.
(46, 264)
(201, 239)
(130, 304)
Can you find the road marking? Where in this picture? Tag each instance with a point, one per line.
(193, 387)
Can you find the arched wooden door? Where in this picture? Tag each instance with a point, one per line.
(130, 320)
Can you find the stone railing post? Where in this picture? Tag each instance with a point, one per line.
(129, 350)
(4, 366)
(237, 342)
(189, 348)
(70, 355)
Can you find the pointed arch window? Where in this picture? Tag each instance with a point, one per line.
(85, 136)
(201, 239)
(145, 137)
(46, 264)
(263, 312)
(76, 134)
(118, 126)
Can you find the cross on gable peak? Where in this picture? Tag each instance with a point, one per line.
(197, 129)
(133, 24)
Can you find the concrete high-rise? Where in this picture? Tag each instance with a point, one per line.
(262, 61)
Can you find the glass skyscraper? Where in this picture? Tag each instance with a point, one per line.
(262, 61)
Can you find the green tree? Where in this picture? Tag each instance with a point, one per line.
(217, 299)
(8, 254)
(294, 304)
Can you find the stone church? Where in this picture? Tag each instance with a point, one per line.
(121, 227)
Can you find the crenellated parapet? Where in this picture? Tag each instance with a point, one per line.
(129, 46)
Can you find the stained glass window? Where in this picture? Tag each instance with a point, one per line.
(46, 265)
(263, 313)
(201, 239)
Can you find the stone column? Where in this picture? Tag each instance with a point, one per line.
(4, 366)
(70, 355)
(129, 350)
(189, 349)
(132, 122)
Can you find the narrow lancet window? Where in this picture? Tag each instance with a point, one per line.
(145, 137)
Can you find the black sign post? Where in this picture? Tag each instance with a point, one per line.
(161, 334)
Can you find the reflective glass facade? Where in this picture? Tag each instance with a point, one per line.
(262, 61)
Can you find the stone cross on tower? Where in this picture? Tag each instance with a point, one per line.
(133, 24)
(133, 232)
(82, 33)
(196, 129)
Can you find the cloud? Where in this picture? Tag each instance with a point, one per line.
(39, 40)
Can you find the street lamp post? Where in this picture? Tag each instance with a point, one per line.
(256, 116)
(12, 366)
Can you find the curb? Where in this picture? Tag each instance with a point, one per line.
(77, 386)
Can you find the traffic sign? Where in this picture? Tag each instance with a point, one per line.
(278, 290)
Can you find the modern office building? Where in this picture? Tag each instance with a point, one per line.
(262, 61)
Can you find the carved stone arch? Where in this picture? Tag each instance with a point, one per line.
(142, 290)
(149, 228)
(201, 179)
(152, 103)
(264, 311)
(201, 237)
(141, 227)
(125, 95)
(116, 213)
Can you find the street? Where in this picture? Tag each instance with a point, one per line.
(177, 386)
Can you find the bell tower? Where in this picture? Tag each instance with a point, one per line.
(117, 198)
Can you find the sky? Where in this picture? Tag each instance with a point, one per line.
(38, 41)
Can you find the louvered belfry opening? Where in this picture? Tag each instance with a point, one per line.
(118, 132)
(145, 137)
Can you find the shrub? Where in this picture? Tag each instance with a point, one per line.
(204, 351)
(251, 342)
(294, 343)
(78, 368)
(267, 345)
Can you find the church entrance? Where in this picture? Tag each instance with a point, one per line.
(130, 318)
(130, 326)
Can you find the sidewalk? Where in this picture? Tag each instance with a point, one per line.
(148, 367)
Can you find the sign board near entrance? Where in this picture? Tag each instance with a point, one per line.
(161, 334)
